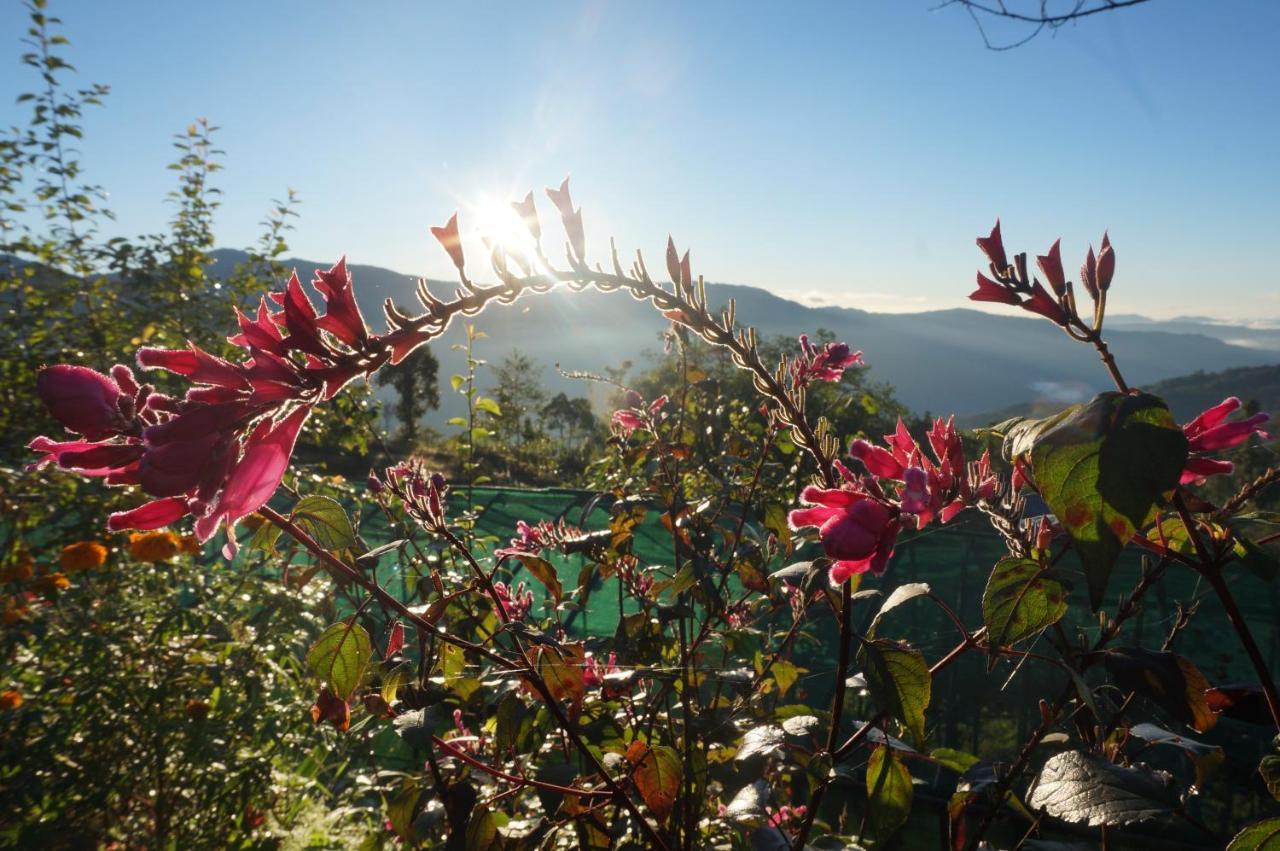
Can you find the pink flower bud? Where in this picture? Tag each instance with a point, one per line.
(1106, 263)
(84, 401)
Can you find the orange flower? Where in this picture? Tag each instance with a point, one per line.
(189, 544)
(10, 699)
(19, 572)
(197, 710)
(50, 585)
(153, 546)
(12, 613)
(82, 555)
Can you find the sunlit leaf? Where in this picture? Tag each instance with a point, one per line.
(1104, 467)
(898, 679)
(1021, 599)
(657, 775)
(889, 793)
(1083, 788)
(340, 656)
(324, 519)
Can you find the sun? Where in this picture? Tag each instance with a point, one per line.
(498, 223)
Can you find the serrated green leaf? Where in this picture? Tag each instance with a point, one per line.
(1020, 600)
(340, 656)
(324, 520)
(898, 679)
(1104, 468)
(889, 793)
(1263, 836)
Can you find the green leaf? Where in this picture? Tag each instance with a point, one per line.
(1082, 788)
(460, 422)
(393, 680)
(1269, 768)
(1103, 468)
(900, 595)
(1206, 758)
(482, 831)
(264, 538)
(457, 381)
(1174, 683)
(400, 811)
(324, 519)
(957, 760)
(747, 807)
(339, 657)
(657, 776)
(785, 675)
(1021, 599)
(888, 793)
(898, 679)
(1263, 836)
(762, 741)
(543, 571)
(489, 406)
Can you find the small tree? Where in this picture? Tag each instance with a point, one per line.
(417, 385)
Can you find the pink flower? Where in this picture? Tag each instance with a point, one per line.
(1051, 265)
(570, 218)
(637, 416)
(989, 290)
(151, 515)
(1045, 305)
(993, 247)
(828, 364)
(254, 478)
(218, 452)
(1210, 432)
(856, 530)
(342, 318)
(528, 213)
(450, 241)
(84, 401)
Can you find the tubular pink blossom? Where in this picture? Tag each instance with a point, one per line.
(989, 290)
(196, 364)
(1199, 469)
(1210, 432)
(879, 462)
(570, 218)
(448, 238)
(342, 316)
(993, 246)
(1051, 265)
(151, 515)
(527, 210)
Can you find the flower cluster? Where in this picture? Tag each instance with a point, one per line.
(532, 540)
(1210, 432)
(637, 415)
(1012, 284)
(516, 602)
(825, 364)
(423, 493)
(858, 522)
(219, 451)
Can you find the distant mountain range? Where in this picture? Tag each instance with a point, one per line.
(1187, 395)
(962, 361)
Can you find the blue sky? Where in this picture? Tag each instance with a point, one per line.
(847, 152)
